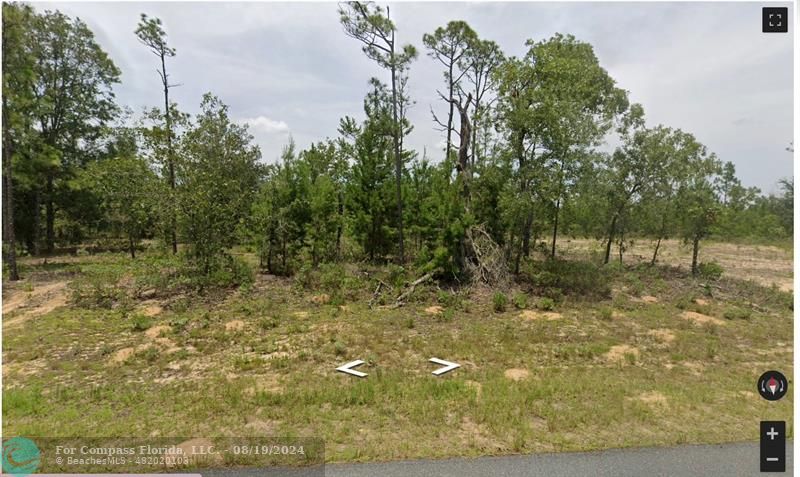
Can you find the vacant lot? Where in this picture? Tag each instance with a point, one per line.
(92, 348)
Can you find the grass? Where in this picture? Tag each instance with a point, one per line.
(606, 373)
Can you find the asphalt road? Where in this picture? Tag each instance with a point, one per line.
(728, 460)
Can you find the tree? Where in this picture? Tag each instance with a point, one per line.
(449, 46)
(574, 102)
(18, 81)
(73, 99)
(152, 35)
(366, 23)
(125, 189)
(483, 58)
(369, 196)
(698, 202)
(218, 177)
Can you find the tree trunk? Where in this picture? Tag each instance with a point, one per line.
(170, 161)
(555, 230)
(695, 251)
(50, 215)
(398, 161)
(8, 201)
(37, 222)
(526, 235)
(449, 112)
(655, 252)
(474, 139)
(611, 231)
(131, 247)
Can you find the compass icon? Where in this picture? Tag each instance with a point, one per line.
(772, 385)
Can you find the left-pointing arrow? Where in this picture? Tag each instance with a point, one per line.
(346, 368)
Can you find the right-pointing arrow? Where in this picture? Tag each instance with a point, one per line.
(345, 368)
(448, 366)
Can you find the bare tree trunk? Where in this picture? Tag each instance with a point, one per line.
(555, 230)
(450, 112)
(8, 201)
(50, 238)
(611, 231)
(398, 161)
(695, 251)
(37, 221)
(655, 252)
(170, 156)
(131, 247)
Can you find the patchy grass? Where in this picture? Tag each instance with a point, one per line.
(617, 371)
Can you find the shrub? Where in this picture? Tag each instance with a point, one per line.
(710, 270)
(606, 313)
(520, 301)
(546, 304)
(339, 348)
(737, 314)
(98, 292)
(499, 302)
(563, 277)
(140, 323)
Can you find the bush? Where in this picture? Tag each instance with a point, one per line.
(520, 301)
(99, 292)
(140, 323)
(606, 313)
(499, 302)
(546, 304)
(710, 270)
(737, 314)
(553, 278)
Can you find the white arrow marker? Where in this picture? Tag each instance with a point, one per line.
(448, 366)
(345, 368)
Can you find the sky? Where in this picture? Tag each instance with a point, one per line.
(288, 69)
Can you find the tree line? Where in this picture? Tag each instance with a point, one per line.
(522, 165)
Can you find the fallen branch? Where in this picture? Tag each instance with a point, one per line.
(401, 300)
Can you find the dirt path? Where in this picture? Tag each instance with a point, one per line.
(44, 298)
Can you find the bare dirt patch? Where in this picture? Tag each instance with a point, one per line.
(649, 299)
(235, 325)
(652, 398)
(322, 299)
(43, 299)
(122, 355)
(662, 335)
(539, 315)
(517, 374)
(156, 331)
(619, 352)
(700, 318)
(694, 367)
(434, 310)
(151, 308)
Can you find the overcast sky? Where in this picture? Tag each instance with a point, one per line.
(288, 69)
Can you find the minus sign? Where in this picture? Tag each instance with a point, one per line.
(772, 459)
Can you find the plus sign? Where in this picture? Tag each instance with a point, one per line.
(772, 433)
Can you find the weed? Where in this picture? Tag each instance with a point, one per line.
(546, 304)
(499, 302)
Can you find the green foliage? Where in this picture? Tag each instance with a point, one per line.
(737, 313)
(499, 302)
(140, 322)
(546, 304)
(568, 278)
(606, 313)
(710, 270)
(219, 175)
(520, 301)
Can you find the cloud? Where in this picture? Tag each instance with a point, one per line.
(266, 125)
